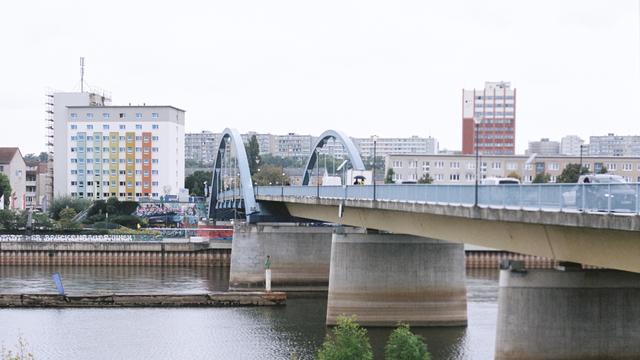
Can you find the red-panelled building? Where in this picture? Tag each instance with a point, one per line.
(494, 110)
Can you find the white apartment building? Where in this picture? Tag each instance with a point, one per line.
(544, 147)
(461, 169)
(386, 146)
(13, 166)
(614, 145)
(201, 147)
(128, 152)
(293, 145)
(570, 145)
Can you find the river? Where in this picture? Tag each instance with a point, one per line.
(295, 330)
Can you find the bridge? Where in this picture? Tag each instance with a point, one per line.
(397, 254)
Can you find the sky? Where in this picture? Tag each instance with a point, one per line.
(389, 68)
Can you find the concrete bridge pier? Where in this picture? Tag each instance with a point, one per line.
(387, 278)
(570, 314)
(299, 257)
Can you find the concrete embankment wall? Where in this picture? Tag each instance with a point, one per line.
(117, 253)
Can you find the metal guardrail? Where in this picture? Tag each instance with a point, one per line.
(617, 198)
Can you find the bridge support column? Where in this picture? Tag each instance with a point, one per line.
(299, 257)
(387, 278)
(580, 314)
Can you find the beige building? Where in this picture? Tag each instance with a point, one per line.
(461, 169)
(12, 164)
(36, 185)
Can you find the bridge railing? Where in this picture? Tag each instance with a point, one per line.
(621, 198)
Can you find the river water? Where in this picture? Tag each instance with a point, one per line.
(293, 331)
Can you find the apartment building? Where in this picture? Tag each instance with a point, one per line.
(128, 152)
(201, 147)
(13, 166)
(494, 110)
(571, 145)
(461, 169)
(36, 184)
(614, 145)
(544, 147)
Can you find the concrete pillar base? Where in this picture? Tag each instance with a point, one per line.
(573, 314)
(299, 257)
(384, 279)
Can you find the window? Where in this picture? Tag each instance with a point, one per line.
(89, 127)
(105, 116)
(611, 166)
(130, 161)
(114, 150)
(89, 116)
(113, 172)
(438, 164)
(154, 172)
(138, 172)
(122, 127)
(138, 126)
(74, 116)
(122, 161)
(454, 165)
(122, 149)
(154, 115)
(396, 163)
(154, 183)
(122, 115)
(154, 149)
(155, 126)
(146, 161)
(554, 166)
(138, 115)
(146, 173)
(496, 165)
(154, 161)
(138, 161)
(105, 127)
(138, 149)
(154, 138)
(146, 150)
(512, 166)
(129, 150)
(74, 127)
(454, 177)
(627, 167)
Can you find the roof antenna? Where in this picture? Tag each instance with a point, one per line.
(82, 74)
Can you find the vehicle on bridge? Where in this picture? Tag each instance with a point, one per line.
(500, 181)
(604, 192)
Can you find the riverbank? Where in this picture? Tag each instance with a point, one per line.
(215, 299)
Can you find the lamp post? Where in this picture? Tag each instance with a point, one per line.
(373, 172)
(580, 168)
(476, 122)
(317, 174)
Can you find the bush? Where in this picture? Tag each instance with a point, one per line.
(63, 202)
(349, 342)
(66, 219)
(404, 345)
(8, 220)
(130, 221)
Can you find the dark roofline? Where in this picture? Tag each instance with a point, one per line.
(125, 106)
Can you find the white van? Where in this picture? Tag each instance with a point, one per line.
(500, 181)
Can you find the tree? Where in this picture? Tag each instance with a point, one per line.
(62, 202)
(514, 175)
(389, 178)
(425, 179)
(253, 154)
(270, 175)
(571, 173)
(541, 178)
(404, 345)
(5, 189)
(8, 219)
(348, 342)
(66, 219)
(195, 182)
(603, 170)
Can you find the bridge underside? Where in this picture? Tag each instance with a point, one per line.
(614, 249)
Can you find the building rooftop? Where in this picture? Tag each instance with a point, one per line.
(7, 153)
(124, 107)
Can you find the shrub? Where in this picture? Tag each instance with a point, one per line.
(349, 342)
(130, 221)
(404, 345)
(63, 202)
(66, 219)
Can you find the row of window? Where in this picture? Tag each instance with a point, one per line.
(114, 150)
(498, 97)
(496, 165)
(112, 172)
(113, 161)
(498, 105)
(107, 127)
(495, 136)
(81, 137)
(129, 196)
(491, 113)
(106, 116)
(114, 183)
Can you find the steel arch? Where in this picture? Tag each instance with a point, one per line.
(250, 204)
(351, 148)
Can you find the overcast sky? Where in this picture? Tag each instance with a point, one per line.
(391, 68)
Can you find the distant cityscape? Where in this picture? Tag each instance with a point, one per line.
(97, 150)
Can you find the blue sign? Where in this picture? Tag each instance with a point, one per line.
(58, 280)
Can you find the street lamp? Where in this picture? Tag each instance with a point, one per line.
(476, 122)
(373, 172)
(580, 169)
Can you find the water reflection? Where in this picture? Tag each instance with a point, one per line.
(211, 333)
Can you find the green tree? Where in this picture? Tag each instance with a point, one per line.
(514, 175)
(571, 173)
(66, 219)
(389, 178)
(195, 182)
(253, 154)
(348, 342)
(63, 202)
(425, 179)
(5, 189)
(541, 178)
(404, 345)
(8, 219)
(270, 175)
(603, 170)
